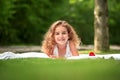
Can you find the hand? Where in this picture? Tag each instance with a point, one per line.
(53, 56)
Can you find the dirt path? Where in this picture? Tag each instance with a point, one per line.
(37, 48)
(20, 48)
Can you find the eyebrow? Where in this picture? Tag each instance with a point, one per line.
(62, 31)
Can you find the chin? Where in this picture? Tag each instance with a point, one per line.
(62, 43)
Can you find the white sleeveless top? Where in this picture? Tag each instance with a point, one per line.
(67, 54)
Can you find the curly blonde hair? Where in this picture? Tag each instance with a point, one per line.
(49, 42)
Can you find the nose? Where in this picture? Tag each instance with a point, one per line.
(61, 35)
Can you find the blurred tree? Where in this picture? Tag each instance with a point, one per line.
(101, 36)
(26, 21)
(80, 15)
(114, 21)
(7, 33)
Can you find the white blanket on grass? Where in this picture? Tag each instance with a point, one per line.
(11, 55)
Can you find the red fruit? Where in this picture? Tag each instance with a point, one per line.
(91, 54)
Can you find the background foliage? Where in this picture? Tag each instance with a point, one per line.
(26, 21)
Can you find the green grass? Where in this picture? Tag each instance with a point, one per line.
(59, 69)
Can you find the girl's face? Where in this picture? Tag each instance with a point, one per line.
(61, 35)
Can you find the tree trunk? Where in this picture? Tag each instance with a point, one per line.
(101, 30)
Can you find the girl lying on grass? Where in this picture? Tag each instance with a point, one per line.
(61, 40)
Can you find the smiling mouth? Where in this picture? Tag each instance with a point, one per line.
(61, 40)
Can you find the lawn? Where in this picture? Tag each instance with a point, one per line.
(59, 69)
(111, 51)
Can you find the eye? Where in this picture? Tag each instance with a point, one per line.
(56, 33)
(64, 32)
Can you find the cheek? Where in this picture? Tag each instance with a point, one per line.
(66, 36)
(55, 38)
